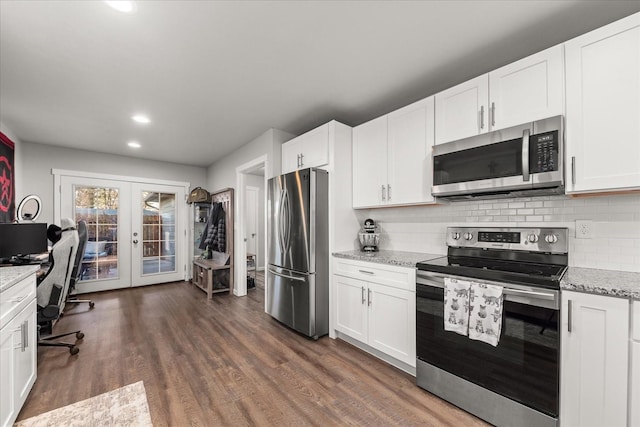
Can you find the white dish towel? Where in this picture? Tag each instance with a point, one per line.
(456, 305)
(485, 318)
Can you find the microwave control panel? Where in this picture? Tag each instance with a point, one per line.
(543, 152)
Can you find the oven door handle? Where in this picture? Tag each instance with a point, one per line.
(437, 280)
(520, 292)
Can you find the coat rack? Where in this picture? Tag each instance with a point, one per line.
(208, 272)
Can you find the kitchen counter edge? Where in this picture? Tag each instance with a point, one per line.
(9, 276)
(398, 258)
(624, 284)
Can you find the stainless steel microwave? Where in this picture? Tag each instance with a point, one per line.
(522, 160)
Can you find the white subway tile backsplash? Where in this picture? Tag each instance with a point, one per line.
(616, 225)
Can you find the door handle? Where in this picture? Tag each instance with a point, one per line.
(573, 170)
(525, 154)
(369, 299)
(364, 298)
(135, 242)
(481, 117)
(301, 160)
(388, 192)
(286, 276)
(569, 315)
(492, 113)
(384, 197)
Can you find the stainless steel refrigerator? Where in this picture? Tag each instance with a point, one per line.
(297, 278)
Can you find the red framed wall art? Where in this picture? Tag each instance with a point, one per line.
(7, 177)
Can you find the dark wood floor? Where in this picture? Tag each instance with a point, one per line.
(225, 362)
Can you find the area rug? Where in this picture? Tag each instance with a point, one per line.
(125, 406)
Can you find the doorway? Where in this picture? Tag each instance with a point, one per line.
(136, 230)
(251, 204)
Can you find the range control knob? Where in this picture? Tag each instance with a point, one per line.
(532, 238)
(455, 235)
(468, 236)
(551, 238)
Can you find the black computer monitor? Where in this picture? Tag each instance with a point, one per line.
(22, 239)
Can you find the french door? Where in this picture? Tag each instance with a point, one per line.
(136, 232)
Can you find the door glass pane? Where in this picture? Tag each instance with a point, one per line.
(98, 207)
(158, 233)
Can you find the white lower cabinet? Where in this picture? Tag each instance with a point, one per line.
(18, 347)
(634, 398)
(595, 360)
(375, 304)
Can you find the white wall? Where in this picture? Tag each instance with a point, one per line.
(616, 225)
(222, 173)
(40, 159)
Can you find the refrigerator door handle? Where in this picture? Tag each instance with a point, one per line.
(285, 221)
(286, 276)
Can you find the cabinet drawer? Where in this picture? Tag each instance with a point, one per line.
(399, 277)
(635, 326)
(14, 299)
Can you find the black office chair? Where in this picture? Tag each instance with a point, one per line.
(76, 273)
(53, 287)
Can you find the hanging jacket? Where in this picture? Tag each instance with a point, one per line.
(214, 234)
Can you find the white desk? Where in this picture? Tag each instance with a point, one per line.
(18, 338)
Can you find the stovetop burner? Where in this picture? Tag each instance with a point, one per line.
(547, 276)
(511, 255)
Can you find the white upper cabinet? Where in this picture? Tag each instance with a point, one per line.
(526, 90)
(392, 157)
(370, 163)
(603, 108)
(307, 150)
(461, 111)
(410, 141)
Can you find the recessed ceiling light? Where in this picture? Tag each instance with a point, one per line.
(139, 118)
(124, 6)
(134, 144)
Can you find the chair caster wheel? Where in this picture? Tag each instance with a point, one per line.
(80, 335)
(92, 304)
(74, 350)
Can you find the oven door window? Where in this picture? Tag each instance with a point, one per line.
(493, 161)
(523, 366)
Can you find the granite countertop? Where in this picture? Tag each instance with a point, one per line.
(603, 282)
(399, 258)
(9, 276)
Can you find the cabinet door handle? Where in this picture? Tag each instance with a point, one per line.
(569, 315)
(23, 333)
(297, 160)
(19, 299)
(301, 160)
(573, 170)
(364, 297)
(369, 299)
(388, 192)
(26, 334)
(492, 114)
(384, 197)
(481, 117)
(366, 271)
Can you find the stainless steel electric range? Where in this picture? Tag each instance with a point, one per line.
(516, 382)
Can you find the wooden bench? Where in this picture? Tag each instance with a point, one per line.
(203, 273)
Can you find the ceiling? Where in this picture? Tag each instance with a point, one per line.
(213, 75)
